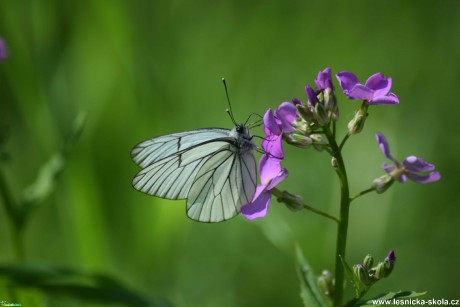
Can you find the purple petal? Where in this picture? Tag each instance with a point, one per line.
(402, 179)
(431, 177)
(379, 84)
(324, 80)
(296, 101)
(312, 98)
(287, 114)
(384, 147)
(388, 168)
(259, 205)
(273, 146)
(391, 256)
(3, 50)
(359, 91)
(269, 168)
(390, 99)
(414, 164)
(347, 80)
(271, 126)
(278, 179)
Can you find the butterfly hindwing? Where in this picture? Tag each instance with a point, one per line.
(223, 185)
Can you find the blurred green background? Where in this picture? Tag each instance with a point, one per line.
(145, 68)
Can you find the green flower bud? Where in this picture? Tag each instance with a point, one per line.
(362, 274)
(319, 141)
(380, 271)
(330, 104)
(297, 139)
(305, 112)
(321, 115)
(382, 183)
(300, 125)
(357, 123)
(326, 283)
(293, 202)
(368, 261)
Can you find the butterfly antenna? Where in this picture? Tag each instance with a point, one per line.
(229, 110)
(249, 117)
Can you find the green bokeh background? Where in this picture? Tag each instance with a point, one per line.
(145, 68)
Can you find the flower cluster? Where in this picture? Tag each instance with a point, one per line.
(313, 124)
(368, 274)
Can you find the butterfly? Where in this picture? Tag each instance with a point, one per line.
(213, 168)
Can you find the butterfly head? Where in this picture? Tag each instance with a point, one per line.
(243, 139)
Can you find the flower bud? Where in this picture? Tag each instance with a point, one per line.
(320, 114)
(382, 183)
(305, 112)
(319, 141)
(330, 103)
(380, 271)
(300, 125)
(297, 139)
(312, 98)
(389, 262)
(356, 124)
(362, 274)
(293, 202)
(326, 283)
(368, 261)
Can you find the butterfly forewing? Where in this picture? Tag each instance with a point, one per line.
(152, 150)
(205, 166)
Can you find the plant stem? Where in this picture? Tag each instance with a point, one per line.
(283, 197)
(344, 212)
(361, 194)
(12, 211)
(343, 141)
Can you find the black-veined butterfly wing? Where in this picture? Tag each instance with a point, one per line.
(205, 166)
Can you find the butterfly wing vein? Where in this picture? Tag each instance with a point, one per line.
(203, 166)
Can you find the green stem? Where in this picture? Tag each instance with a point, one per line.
(361, 194)
(13, 213)
(343, 225)
(281, 197)
(343, 141)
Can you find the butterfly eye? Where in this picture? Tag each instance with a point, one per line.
(239, 129)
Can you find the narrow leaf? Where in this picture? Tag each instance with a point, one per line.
(309, 291)
(354, 280)
(382, 299)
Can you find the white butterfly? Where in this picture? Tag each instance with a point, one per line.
(214, 169)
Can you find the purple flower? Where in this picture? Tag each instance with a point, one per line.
(324, 81)
(416, 169)
(376, 90)
(270, 169)
(271, 174)
(3, 50)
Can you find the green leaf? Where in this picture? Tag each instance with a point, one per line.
(379, 299)
(354, 280)
(309, 291)
(73, 284)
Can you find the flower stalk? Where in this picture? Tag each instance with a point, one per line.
(342, 229)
